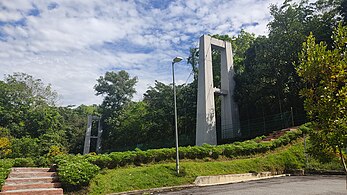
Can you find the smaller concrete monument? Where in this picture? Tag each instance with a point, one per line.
(88, 136)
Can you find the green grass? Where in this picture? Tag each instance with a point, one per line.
(161, 175)
(334, 164)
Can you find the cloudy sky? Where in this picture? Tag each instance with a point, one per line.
(70, 43)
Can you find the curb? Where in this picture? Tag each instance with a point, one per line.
(255, 176)
(324, 172)
(233, 178)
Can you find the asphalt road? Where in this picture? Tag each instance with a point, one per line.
(297, 185)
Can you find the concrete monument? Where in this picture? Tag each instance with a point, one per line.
(206, 119)
(88, 136)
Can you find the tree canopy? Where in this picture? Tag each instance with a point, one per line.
(324, 72)
(117, 88)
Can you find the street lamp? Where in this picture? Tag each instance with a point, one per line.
(175, 60)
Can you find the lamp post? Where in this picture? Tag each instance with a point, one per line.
(175, 60)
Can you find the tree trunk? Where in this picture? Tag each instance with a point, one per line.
(344, 164)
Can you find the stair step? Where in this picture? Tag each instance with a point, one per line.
(9, 187)
(30, 169)
(31, 180)
(35, 191)
(31, 174)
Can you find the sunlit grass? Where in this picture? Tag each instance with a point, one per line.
(162, 175)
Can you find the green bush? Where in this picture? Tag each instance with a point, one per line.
(42, 161)
(23, 162)
(25, 147)
(5, 168)
(76, 173)
(101, 160)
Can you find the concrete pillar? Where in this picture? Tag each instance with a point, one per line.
(86, 148)
(229, 111)
(98, 141)
(206, 119)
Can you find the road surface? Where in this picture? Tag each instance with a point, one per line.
(297, 185)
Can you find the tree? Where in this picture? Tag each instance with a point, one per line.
(117, 88)
(134, 129)
(324, 73)
(32, 90)
(240, 44)
(343, 10)
(268, 83)
(193, 61)
(160, 114)
(27, 106)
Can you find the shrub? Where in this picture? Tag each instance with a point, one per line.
(5, 168)
(55, 150)
(76, 173)
(42, 161)
(127, 158)
(229, 151)
(5, 147)
(25, 147)
(23, 162)
(141, 157)
(101, 160)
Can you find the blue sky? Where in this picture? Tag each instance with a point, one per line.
(70, 43)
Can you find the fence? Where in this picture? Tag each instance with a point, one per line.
(251, 128)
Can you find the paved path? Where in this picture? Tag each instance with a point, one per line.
(297, 185)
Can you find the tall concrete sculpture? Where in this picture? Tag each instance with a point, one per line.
(89, 136)
(206, 119)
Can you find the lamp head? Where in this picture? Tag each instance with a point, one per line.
(177, 59)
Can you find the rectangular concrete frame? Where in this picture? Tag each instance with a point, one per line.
(206, 120)
(88, 136)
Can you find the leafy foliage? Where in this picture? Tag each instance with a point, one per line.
(25, 147)
(77, 173)
(269, 83)
(74, 122)
(30, 123)
(5, 168)
(26, 106)
(160, 112)
(118, 89)
(5, 143)
(324, 72)
(23, 162)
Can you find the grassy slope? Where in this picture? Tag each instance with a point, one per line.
(160, 175)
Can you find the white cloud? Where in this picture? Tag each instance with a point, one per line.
(63, 42)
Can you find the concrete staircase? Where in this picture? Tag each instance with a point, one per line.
(32, 181)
